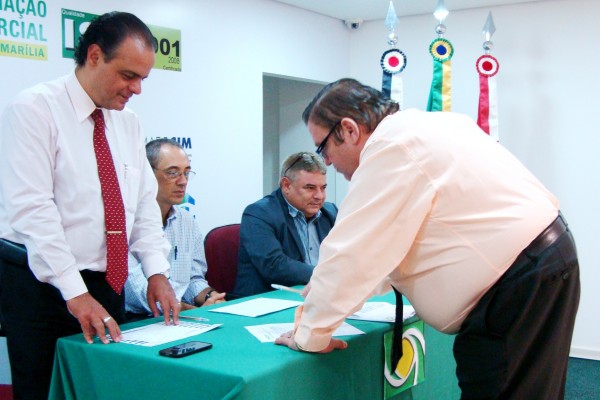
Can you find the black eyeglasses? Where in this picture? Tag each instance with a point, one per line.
(321, 147)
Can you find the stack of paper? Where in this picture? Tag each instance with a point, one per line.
(159, 333)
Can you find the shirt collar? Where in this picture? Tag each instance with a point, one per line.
(173, 212)
(81, 101)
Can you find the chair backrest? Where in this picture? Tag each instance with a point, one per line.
(221, 249)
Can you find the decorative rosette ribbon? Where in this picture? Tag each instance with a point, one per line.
(393, 62)
(487, 117)
(440, 94)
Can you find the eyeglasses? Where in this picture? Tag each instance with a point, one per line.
(321, 147)
(300, 156)
(174, 174)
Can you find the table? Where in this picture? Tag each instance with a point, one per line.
(242, 368)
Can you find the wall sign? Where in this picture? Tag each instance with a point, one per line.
(167, 40)
(22, 29)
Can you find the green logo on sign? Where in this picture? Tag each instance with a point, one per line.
(167, 40)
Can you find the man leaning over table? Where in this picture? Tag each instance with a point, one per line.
(281, 233)
(448, 217)
(51, 202)
(171, 166)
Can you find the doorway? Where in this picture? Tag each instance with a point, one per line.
(284, 133)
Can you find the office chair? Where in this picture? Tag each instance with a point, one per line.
(221, 249)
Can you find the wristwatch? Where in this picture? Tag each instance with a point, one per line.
(208, 295)
(164, 273)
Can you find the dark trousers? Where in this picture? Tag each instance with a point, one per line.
(515, 343)
(33, 316)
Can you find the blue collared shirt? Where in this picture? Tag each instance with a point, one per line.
(307, 230)
(187, 260)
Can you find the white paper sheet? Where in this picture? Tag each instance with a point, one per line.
(257, 307)
(380, 311)
(159, 333)
(269, 332)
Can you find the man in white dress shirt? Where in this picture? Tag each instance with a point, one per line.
(51, 203)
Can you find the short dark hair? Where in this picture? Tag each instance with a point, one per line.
(153, 149)
(348, 98)
(108, 31)
(303, 161)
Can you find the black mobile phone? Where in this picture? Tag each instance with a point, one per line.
(185, 349)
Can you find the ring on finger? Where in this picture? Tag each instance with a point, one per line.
(105, 320)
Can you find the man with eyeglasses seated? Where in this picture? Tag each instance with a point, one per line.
(280, 234)
(172, 170)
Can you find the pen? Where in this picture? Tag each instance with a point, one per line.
(175, 252)
(193, 318)
(289, 289)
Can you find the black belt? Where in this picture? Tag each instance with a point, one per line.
(13, 253)
(547, 237)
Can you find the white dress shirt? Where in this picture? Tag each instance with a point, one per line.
(50, 198)
(436, 208)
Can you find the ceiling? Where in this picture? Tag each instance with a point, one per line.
(377, 9)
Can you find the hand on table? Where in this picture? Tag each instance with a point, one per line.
(215, 298)
(93, 318)
(186, 306)
(287, 339)
(160, 291)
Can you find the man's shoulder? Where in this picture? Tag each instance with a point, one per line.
(330, 207)
(41, 92)
(183, 215)
(266, 203)
(267, 208)
(183, 220)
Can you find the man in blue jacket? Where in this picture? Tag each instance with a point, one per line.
(281, 233)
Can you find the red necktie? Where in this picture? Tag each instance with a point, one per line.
(114, 212)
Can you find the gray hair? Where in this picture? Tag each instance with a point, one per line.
(153, 149)
(303, 161)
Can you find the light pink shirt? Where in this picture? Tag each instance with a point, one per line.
(50, 197)
(436, 208)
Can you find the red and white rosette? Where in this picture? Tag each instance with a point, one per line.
(393, 62)
(487, 117)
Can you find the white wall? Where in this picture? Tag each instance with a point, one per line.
(546, 82)
(217, 98)
(547, 106)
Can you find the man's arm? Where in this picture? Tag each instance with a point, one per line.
(27, 167)
(147, 242)
(136, 289)
(27, 161)
(388, 199)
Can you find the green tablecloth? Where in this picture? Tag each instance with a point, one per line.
(242, 368)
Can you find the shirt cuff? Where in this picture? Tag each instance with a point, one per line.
(305, 341)
(70, 284)
(154, 264)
